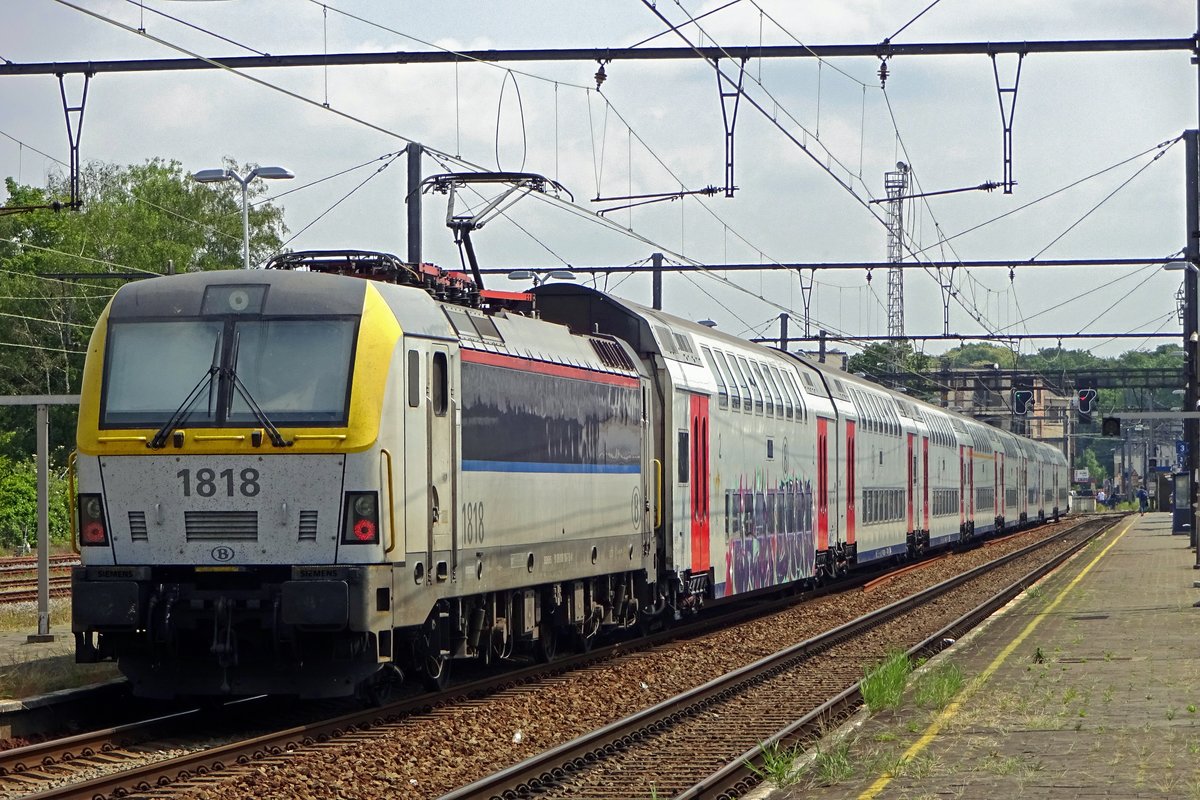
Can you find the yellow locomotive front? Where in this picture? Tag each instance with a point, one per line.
(232, 486)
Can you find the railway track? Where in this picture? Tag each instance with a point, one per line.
(29, 563)
(787, 698)
(117, 762)
(18, 577)
(20, 590)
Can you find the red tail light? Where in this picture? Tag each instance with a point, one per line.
(362, 518)
(92, 529)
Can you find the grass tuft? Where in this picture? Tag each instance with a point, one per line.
(831, 767)
(883, 685)
(937, 687)
(778, 764)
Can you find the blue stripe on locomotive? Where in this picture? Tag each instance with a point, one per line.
(519, 421)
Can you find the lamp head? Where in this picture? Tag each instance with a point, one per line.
(211, 175)
(271, 173)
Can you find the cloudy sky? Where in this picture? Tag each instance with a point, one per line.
(1086, 130)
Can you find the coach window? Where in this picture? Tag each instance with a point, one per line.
(768, 395)
(722, 391)
(682, 457)
(801, 410)
(439, 378)
(743, 385)
(755, 389)
(730, 380)
(776, 391)
(414, 378)
(788, 401)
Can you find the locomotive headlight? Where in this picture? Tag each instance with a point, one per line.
(238, 300)
(91, 508)
(364, 505)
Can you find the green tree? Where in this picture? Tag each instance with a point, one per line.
(979, 355)
(18, 504)
(1089, 461)
(894, 363)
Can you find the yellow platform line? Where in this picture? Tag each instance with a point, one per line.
(974, 686)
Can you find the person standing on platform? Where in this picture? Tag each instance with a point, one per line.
(1143, 499)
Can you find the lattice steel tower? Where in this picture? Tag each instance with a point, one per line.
(896, 186)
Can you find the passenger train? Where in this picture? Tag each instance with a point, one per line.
(343, 470)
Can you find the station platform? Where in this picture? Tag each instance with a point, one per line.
(1086, 686)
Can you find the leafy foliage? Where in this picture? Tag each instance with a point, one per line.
(881, 360)
(18, 504)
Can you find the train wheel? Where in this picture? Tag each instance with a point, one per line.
(381, 688)
(546, 648)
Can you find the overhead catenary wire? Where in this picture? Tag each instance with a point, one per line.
(559, 202)
(141, 4)
(753, 102)
(627, 229)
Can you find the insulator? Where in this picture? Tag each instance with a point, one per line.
(883, 73)
(600, 77)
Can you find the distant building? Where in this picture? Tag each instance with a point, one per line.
(835, 358)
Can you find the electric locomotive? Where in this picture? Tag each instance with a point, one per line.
(291, 481)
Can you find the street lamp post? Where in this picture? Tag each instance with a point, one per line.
(220, 175)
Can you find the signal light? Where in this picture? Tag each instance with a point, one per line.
(92, 530)
(1087, 403)
(361, 524)
(1111, 426)
(1022, 401)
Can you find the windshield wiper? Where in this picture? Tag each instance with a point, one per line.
(272, 432)
(184, 411)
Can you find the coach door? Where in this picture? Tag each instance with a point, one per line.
(1023, 488)
(850, 488)
(962, 487)
(698, 416)
(910, 497)
(971, 483)
(925, 481)
(998, 484)
(440, 415)
(822, 483)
